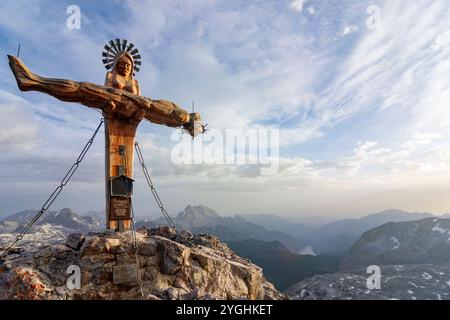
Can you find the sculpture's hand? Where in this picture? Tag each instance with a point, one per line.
(195, 125)
(109, 109)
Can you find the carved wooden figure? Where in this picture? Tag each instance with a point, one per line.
(123, 108)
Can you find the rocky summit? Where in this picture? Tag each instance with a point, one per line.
(171, 266)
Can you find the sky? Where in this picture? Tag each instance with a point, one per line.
(359, 91)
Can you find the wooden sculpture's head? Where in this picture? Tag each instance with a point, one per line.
(121, 76)
(124, 65)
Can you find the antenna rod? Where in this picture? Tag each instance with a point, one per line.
(193, 107)
(18, 51)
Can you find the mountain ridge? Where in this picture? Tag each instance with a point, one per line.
(201, 219)
(425, 241)
(338, 236)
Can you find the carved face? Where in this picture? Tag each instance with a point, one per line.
(124, 66)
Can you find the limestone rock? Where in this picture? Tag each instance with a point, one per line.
(75, 241)
(171, 266)
(184, 236)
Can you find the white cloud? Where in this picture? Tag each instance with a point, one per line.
(442, 41)
(297, 5)
(311, 10)
(18, 130)
(349, 29)
(265, 71)
(396, 75)
(421, 139)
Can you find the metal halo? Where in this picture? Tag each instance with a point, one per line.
(117, 46)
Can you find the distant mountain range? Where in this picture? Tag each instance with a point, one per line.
(66, 218)
(200, 219)
(339, 236)
(425, 241)
(274, 222)
(333, 238)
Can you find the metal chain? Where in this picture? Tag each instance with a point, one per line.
(133, 231)
(152, 188)
(56, 192)
(136, 251)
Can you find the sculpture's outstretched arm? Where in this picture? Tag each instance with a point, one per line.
(111, 101)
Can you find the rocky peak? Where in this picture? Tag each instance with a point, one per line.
(171, 266)
(195, 216)
(66, 213)
(59, 217)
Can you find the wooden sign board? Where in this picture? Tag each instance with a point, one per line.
(120, 208)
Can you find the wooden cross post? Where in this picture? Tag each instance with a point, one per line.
(119, 151)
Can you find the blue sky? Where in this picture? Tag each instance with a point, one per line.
(363, 114)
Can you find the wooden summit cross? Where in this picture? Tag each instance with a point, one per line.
(123, 108)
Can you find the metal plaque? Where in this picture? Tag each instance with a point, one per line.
(120, 208)
(125, 274)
